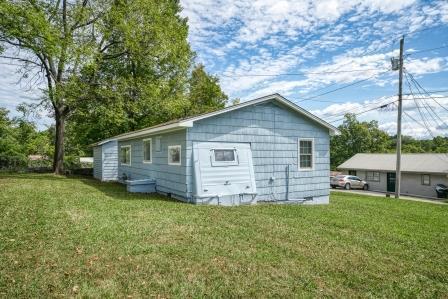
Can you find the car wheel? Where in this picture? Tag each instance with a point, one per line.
(347, 186)
(366, 187)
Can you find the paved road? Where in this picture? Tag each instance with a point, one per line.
(380, 194)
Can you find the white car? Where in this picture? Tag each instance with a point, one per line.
(348, 182)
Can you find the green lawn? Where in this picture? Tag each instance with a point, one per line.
(78, 237)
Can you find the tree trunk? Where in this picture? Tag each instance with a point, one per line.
(58, 160)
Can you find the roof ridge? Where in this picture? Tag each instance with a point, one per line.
(188, 121)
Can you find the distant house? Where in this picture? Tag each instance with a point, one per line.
(420, 172)
(87, 160)
(37, 157)
(267, 149)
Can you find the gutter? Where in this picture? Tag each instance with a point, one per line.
(149, 131)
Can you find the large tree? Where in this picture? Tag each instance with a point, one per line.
(357, 137)
(205, 93)
(158, 101)
(55, 38)
(95, 53)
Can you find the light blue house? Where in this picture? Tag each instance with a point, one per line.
(267, 149)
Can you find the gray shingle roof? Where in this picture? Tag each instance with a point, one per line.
(428, 163)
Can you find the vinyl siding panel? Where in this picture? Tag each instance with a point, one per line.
(411, 183)
(380, 185)
(110, 161)
(273, 133)
(98, 162)
(169, 178)
(105, 161)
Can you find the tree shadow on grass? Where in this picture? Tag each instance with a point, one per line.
(113, 190)
(31, 176)
(118, 191)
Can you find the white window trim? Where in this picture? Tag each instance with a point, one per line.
(312, 154)
(130, 155)
(144, 148)
(180, 155)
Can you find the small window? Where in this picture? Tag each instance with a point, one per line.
(373, 176)
(147, 150)
(125, 155)
(352, 172)
(426, 179)
(224, 155)
(306, 149)
(174, 155)
(158, 144)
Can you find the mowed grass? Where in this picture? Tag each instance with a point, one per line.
(64, 237)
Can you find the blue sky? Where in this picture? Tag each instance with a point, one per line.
(238, 39)
(242, 41)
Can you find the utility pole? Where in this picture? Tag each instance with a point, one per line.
(400, 112)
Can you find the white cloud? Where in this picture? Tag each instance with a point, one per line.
(240, 37)
(426, 65)
(273, 37)
(413, 123)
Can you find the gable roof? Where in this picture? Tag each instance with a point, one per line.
(422, 163)
(188, 122)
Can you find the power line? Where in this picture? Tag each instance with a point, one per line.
(428, 98)
(365, 111)
(342, 87)
(415, 120)
(426, 106)
(425, 91)
(420, 124)
(427, 50)
(373, 103)
(301, 73)
(428, 91)
(422, 116)
(428, 131)
(388, 96)
(367, 105)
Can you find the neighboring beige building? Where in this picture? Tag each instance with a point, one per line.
(419, 172)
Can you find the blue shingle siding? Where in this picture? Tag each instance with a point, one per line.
(169, 178)
(273, 132)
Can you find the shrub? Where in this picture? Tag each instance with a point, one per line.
(13, 162)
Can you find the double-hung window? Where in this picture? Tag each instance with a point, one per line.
(125, 155)
(147, 150)
(306, 154)
(426, 179)
(373, 176)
